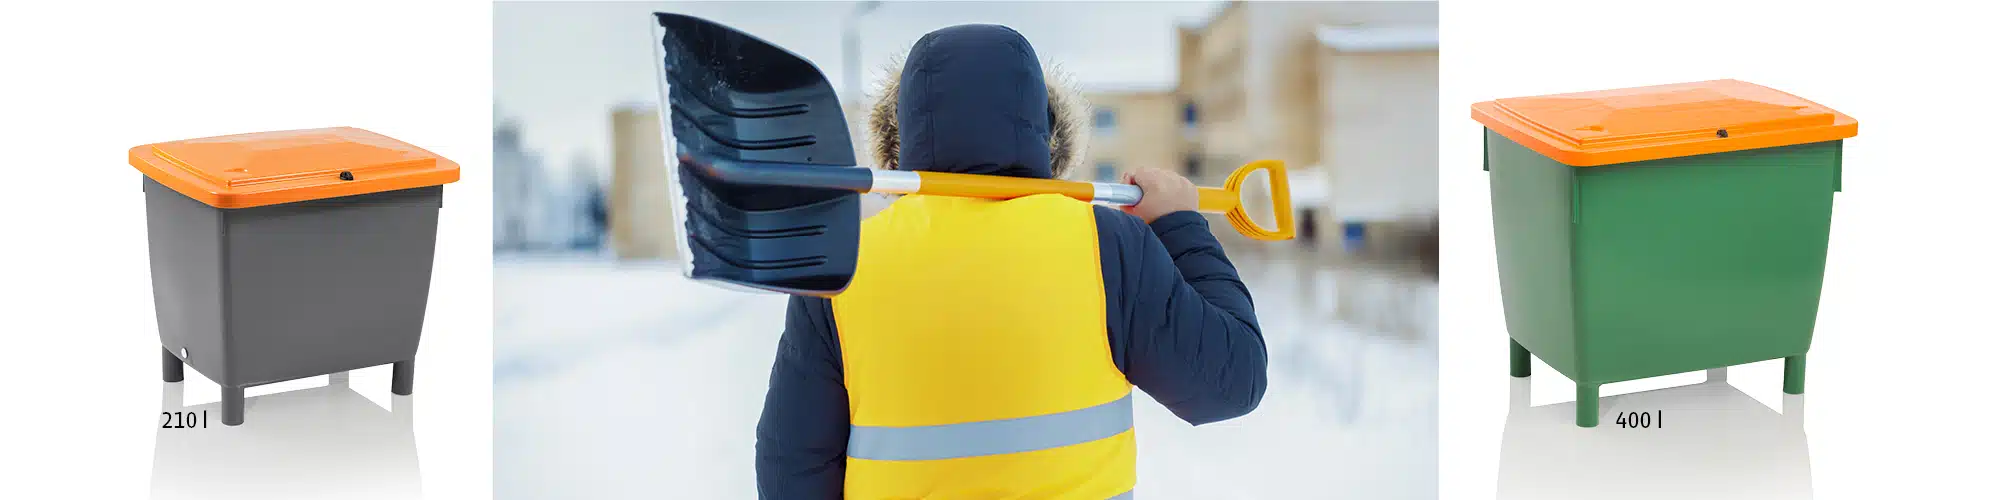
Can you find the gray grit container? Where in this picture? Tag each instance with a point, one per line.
(284, 255)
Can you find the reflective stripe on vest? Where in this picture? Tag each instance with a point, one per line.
(992, 437)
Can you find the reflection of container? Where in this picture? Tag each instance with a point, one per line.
(321, 443)
(284, 255)
(1658, 230)
(1711, 441)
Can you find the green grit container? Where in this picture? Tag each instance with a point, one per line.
(1658, 230)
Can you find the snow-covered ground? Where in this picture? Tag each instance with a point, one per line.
(621, 380)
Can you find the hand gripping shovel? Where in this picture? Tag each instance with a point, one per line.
(765, 187)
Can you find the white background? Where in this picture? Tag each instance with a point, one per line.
(84, 82)
(1900, 371)
(1899, 376)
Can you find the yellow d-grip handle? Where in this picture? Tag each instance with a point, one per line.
(1229, 201)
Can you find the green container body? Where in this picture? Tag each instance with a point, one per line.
(1635, 270)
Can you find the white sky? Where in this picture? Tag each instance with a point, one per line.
(560, 67)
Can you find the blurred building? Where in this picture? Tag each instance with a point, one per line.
(533, 209)
(576, 204)
(1256, 79)
(1344, 93)
(1378, 89)
(514, 174)
(1379, 146)
(527, 211)
(1248, 74)
(1133, 129)
(640, 208)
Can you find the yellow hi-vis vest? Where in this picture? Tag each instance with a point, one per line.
(976, 359)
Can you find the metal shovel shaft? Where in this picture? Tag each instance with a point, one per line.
(1227, 200)
(862, 180)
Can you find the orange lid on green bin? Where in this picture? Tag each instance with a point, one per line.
(269, 168)
(1663, 121)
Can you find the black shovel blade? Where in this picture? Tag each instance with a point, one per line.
(730, 95)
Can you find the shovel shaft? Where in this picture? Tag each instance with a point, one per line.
(1226, 200)
(765, 173)
(1212, 200)
(996, 187)
(771, 173)
(1002, 188)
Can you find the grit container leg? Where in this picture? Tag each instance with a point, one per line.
(1518, 358)
(403, 377)
(232, 406)
(1795, 374)
(170, 366)
(1586, 405)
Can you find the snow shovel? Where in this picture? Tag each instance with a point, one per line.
(765, 185)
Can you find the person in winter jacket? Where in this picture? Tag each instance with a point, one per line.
(988, 349)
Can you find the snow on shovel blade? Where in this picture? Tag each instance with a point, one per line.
(728, 95)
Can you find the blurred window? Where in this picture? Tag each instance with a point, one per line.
(1354, 236)
(1104, 119)
(1107, 171)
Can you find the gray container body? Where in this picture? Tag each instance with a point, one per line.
(280, 292)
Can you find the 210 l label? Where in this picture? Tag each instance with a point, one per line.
(1642, 420)
(184, 420)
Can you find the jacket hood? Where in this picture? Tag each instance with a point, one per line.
(975, 99)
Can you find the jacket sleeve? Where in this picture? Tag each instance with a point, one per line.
(1181, 322)
(802, 435)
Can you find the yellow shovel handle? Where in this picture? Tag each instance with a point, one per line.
(1218, 200)
(1227, 200)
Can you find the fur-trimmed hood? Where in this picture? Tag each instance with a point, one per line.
(962, 84)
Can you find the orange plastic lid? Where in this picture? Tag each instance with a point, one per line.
(268, 168)
(1663, 121)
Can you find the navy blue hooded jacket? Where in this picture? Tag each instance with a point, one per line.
(972, 99)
